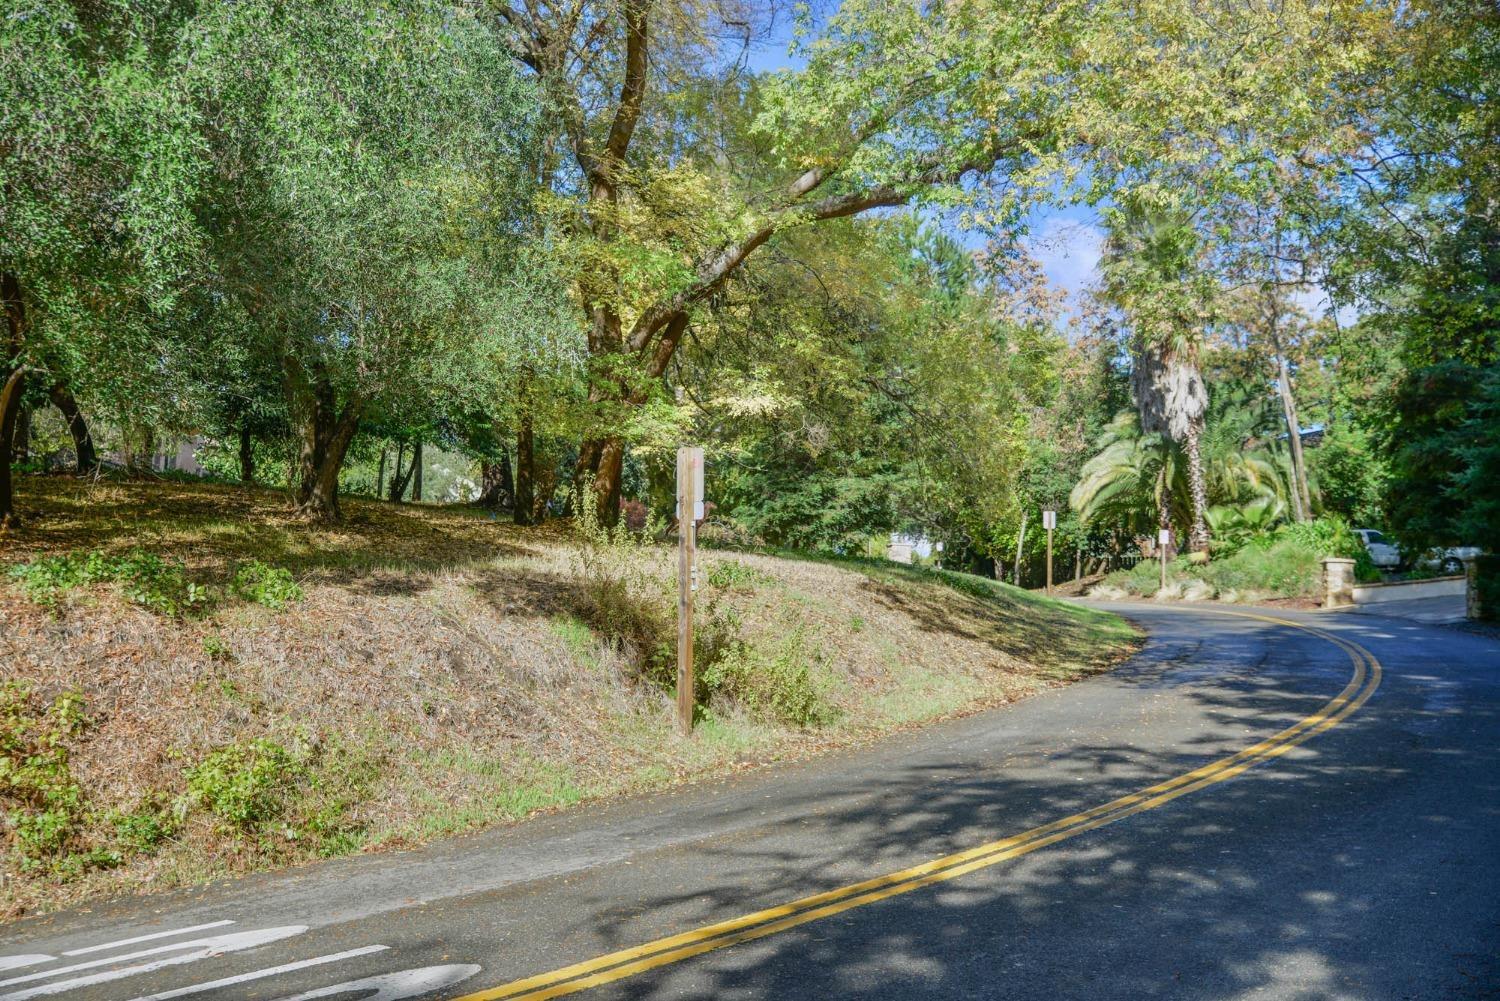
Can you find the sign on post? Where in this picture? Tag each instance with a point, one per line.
(1049, 522)
(689, 513)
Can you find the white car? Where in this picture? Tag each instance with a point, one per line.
(1386, 555)
(1450, 562)
(1383, 552)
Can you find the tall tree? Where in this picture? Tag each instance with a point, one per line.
(1153, 273)
(98, 161)
(368, 166)
(989, 102)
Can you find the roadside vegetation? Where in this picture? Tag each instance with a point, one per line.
(1280, 563)
(423, 671)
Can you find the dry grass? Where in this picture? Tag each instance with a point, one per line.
(438, 677)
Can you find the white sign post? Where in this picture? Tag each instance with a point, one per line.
(1163, 543)
(689, 513)
(1049, 522)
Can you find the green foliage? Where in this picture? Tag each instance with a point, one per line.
(618, 594)
(1235, 525)
(782, 684)
(1351, 473)
(144, 828)
(161, 585)
(731, 574)
(1286, 563)
(265, 585)
(44, 807)
(247, 784)
(146, 579)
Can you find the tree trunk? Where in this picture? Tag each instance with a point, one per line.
(1198, 534)
(607, 479)
(380, 475)
(138, 445)
(399, 476)
(10, 403)
(543, 485)
(525, 472)
(1020, 541)
(318, 495)
(85, 458)
(326, 434)
(247, 453)
(498, 489)
(1301, 494)
(20, 444)
(416, 471)
(10, 390)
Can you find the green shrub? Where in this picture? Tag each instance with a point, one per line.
(1286, 568)
(245, 784)
(44, 807)
(618, 595)
(782, 685)
(733, 574)
(265, 585)
(147, 826)
(146, 579)
(1144, 578)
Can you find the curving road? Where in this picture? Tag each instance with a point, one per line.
(1248, 809)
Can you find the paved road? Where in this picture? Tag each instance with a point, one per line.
(1354, 856)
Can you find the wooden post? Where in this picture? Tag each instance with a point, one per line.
(689, 510)
(1049, 521)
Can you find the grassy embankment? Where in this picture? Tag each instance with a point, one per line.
(195, 685)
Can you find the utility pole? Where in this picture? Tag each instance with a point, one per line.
(689, 513)
(1049, 522)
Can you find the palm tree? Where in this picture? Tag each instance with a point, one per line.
(1152, 275)
(1136, 476)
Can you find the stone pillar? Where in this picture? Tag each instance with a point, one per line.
(1338, 582)
(1482, 587)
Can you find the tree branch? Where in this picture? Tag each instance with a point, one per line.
(718, 267)
(633, 90)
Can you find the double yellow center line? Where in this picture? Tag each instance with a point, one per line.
(629, 962)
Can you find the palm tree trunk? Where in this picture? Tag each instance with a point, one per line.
(1301, 494)
(1198, 534)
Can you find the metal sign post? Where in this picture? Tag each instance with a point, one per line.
(689, 513)
(1163, 543)
(1049, 522)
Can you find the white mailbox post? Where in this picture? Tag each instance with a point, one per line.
(1163, 543)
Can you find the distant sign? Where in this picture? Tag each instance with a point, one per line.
(1049, 519)
(1164, 536)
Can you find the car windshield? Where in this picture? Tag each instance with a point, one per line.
(1374, 536)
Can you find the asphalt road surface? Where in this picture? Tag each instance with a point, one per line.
(1249, 809)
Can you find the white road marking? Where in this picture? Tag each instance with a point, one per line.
(207, 949)
(396, 986)
(273, 971)
(146, 938)
(16, 962)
